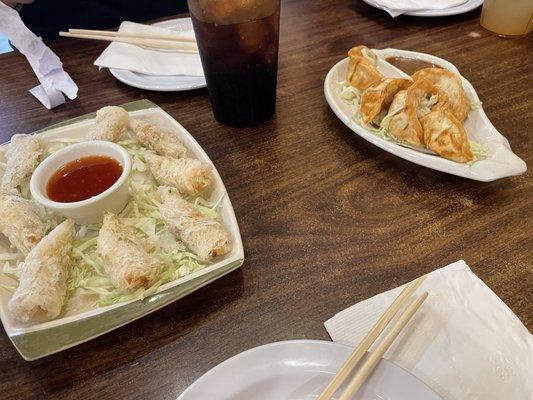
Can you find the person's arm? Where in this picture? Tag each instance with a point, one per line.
(13, 3)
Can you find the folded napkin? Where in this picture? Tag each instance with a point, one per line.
(145, 61)
(54, 81)
(398, 7)
(464, 342)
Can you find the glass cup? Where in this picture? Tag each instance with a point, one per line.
(238, 43)
(507, 18)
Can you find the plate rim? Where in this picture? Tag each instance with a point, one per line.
(122, 74)
(463, 8)
(281, 343)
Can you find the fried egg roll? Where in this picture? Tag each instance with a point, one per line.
(23, 154)
(188, 175)
(203, 236)
(20, 221)
(126, 262)
(158, 139)
(43, 277)
(111, 124)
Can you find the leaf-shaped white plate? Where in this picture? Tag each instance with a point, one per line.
(46, 338)
(500, 161)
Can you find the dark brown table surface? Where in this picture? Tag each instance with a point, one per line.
(327, 219)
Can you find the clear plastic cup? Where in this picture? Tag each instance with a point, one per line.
(507, 18)
(238, 43)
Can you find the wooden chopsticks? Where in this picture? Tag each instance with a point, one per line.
(176, 36)
(179, 43)
(373, 359)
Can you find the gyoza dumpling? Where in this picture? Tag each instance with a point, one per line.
(22, 156)
(410, 105)
(111, 123)
(204, 236)
(188, 175)
(158, 139)
(446, 136)
(126, 262)
(450, 83)
(20, 221)
(362, 71)
(403, 123)
(379, 96)
(43, 277)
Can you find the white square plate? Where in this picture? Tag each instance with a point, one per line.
(46, 338)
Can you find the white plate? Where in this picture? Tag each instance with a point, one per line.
(171, 83)
(46, 338)
(460, 9)
(299, 370)
(500, 161)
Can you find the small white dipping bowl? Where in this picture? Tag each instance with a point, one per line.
(91, 210)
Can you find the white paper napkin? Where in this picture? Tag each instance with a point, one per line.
(145, 61)
(45, 63)
(398, 7)
(464, 342)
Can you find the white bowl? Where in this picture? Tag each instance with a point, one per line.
(91, 210)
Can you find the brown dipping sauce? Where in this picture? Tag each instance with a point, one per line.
(409, 65)
(83, 178)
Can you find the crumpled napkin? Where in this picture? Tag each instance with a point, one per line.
(145, 61)
(464, 342)
(45, 63)
(398, 7)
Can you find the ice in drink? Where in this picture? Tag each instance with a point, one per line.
(238, 43)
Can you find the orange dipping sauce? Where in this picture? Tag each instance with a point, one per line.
(83, 178)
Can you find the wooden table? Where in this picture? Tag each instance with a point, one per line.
(326, 218)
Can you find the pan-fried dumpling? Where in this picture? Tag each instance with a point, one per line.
(410, 105)
(362, 71)
(111, 123)
(450, 83)
(446, 136)
(379, 96)
(189, 175)
(22, 156)
(125, 260)
(205, 237)
(20, 221)
(43, 277)
(158, 139)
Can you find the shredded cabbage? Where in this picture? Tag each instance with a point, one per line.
(142, 215)
(478, 150)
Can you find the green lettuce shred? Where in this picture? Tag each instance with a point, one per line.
(142, 216)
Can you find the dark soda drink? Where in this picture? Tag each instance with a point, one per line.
(240, 59)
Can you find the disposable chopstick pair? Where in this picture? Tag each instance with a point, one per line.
(166, 43)
(373, 359)
(175, 36)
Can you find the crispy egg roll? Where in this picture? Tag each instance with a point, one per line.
(22, 155)
(126, 262)
(159, 140)
(203, 236)
(188, 175)
(20, 221)
(43, 277)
